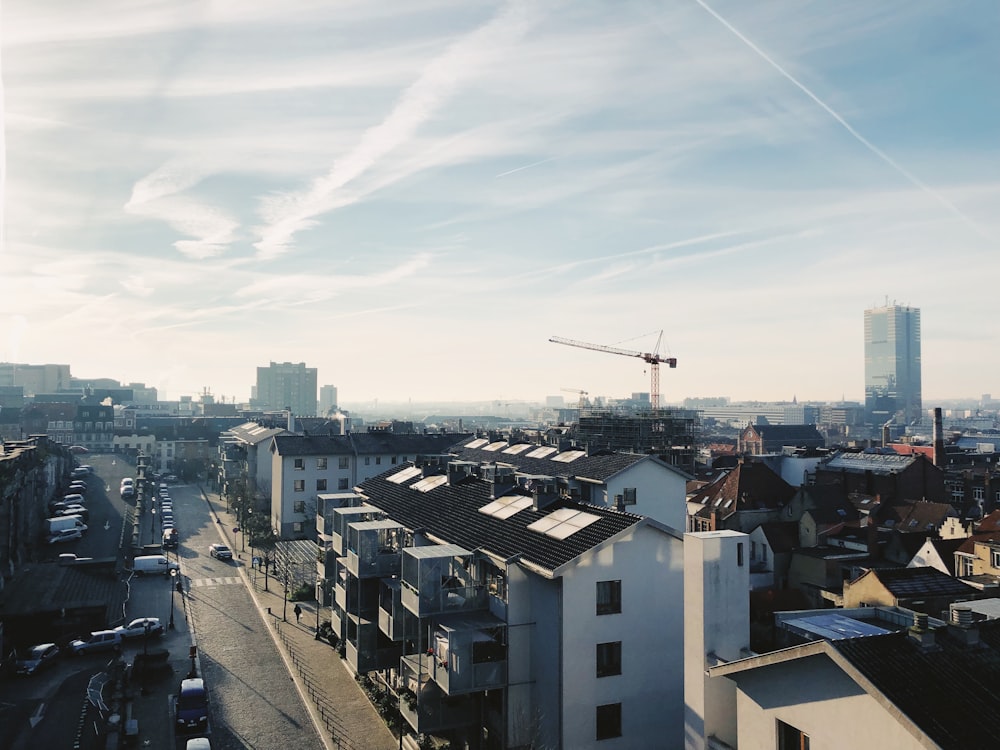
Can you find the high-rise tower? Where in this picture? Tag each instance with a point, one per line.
(892, 364)
(287, 385)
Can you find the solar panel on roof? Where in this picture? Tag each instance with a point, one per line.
(401, 476)
(566, 456)
(546, 450)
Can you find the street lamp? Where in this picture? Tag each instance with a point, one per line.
(173, 578)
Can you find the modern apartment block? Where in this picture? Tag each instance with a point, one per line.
(504, 613)
(327, 399)
(892, 364)
(306, 466)
(286, 385)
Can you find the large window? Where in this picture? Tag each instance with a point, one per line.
(344, 462)
(321, 485)
(609, 721)
(790, 738)
(321, 463)
(299, 506)
(342, 483)
(299, 464)
(609, 597)
(299, 485)
(609, 659)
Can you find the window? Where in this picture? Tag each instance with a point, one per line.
(609, 721)
(299, 506)
(739, 554)
(609, 659)
(299, 464)
(321, 485)
(609, 597)
(321, 463)
(344, 462)
(790, 738)
(299, 485)
(995, 558)
(368, 460)
(378, 460)
(394, 459)
(342, 483)
(753, 551)
(763, 552)
(298, 527)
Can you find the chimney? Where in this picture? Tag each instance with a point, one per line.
(290, 426)
(961, 625)
(921, 632)
(938, 438)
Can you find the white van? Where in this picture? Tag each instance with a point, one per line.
(150, 564)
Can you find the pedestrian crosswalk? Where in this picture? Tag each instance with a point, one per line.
(201, 582)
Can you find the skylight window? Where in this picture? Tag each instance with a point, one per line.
(545, 450)
(401, 476)
(506, 506)
(428, 483)
(563, 523)
(477, 443)
(566, 456)
(495, 446)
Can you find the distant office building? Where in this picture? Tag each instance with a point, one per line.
(327, 399)
(892, 364)
(287, 385)
(35, 378)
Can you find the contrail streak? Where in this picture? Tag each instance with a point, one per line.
(526, 166)
(909, 176)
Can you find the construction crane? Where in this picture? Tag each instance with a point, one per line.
(582, 395)
(653, 359)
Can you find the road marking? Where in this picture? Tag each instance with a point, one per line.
(36, 717)
(231, 580)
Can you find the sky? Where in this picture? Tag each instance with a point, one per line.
(414, 197)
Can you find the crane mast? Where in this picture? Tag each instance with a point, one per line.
(653, 359)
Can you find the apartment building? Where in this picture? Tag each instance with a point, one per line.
(305, 466)
(506, 614)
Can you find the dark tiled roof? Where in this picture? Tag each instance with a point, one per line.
(783, 536)
(750, 486)
(451, 513)
(906, 583)
(789, 433)
(600, 466)
(916, 516)
(50, 587)
(366, 443)
(951, 692)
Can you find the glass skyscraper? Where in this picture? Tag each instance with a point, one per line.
(892, 364)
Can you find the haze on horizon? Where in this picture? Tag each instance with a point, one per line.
(414, 197)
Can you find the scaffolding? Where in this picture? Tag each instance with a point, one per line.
(670, 434)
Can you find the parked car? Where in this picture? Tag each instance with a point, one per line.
(149, 564)
(65, 535)
(198, 743)
(79, 473)
(168, 526)
(141, 627)
(170, 479)
(78, 485)
(220, 552)
(87, 468)
(170, 537)
(192, 706)
(75, 497)
(36, 658)
(99, 640)
(79, 449)
(72, 510)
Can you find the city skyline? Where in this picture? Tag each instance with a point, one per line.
(414, 200)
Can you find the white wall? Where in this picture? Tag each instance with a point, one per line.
(660, 493)
(817, 697)
(648, 562)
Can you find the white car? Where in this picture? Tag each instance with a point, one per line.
(66, 535)
(138, 628)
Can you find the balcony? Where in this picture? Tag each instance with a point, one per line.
(326, 504)
(424, 707)
(342, 518)
(373, 548)
(393, 618)
(469, 654)
(436, 581)
(367, 649)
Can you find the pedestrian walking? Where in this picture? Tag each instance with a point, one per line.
(298, 613)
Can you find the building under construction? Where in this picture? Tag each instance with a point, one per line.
(668, 433)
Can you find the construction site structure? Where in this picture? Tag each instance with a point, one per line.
(670, 434)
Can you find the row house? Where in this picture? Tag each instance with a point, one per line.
(739, 500)
(506, 614)
(306, 466)
(244, 459)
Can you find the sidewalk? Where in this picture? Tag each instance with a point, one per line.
(333, 696)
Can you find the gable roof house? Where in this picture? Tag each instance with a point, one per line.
(938, 554)
(891, 476)
(497, 602)
(759, 439)
(926, 687)
(740, 500)
(920, 589)
(304, 466)
(245, 458)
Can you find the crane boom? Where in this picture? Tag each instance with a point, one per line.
(653, 359)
